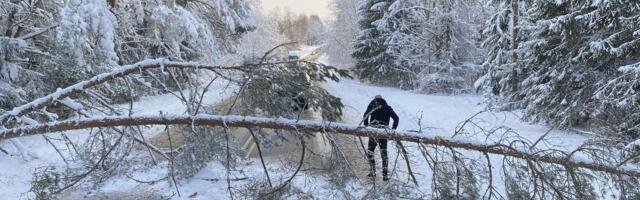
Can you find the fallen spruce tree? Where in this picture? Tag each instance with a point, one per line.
(306, 125)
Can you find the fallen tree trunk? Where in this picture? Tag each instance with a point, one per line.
(104, 77)
(308, 125)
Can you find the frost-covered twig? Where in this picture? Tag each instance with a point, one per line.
(38, 32)
(64, 159)
(285, 183)
(93, 168)
(405, 155)
(264, 166)
(171, 162)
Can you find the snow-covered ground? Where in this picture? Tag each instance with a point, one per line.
(441, 114)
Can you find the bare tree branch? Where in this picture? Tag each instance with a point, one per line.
(264, 166)
(38, 32)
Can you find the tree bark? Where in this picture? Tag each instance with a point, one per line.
(308, 125)
(514, 44)
(112, 3)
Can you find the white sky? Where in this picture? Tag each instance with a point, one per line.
(309, 7)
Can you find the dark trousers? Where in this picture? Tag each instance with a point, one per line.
(383, 153)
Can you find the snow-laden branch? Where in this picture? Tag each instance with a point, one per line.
(38, 32)
(123, 71)
(104, 77)
(316, 126)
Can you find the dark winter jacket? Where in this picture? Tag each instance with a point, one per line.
(378, 113)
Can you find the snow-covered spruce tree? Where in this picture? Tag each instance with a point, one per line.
(502, 33)
(373, 62)
(451, 52)
(435, 42)
(342, 33)
(575, 48)
(498, 44)
(24, 34)
(400, 27)
(84, 43)
(618, 98)
(316, 31)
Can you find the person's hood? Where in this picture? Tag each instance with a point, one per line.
(381, 101)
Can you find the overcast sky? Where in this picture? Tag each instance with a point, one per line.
(309, 7)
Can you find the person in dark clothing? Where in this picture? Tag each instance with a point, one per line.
(377, 115)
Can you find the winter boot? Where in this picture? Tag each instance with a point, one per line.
(371, 175)
(372, 172)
